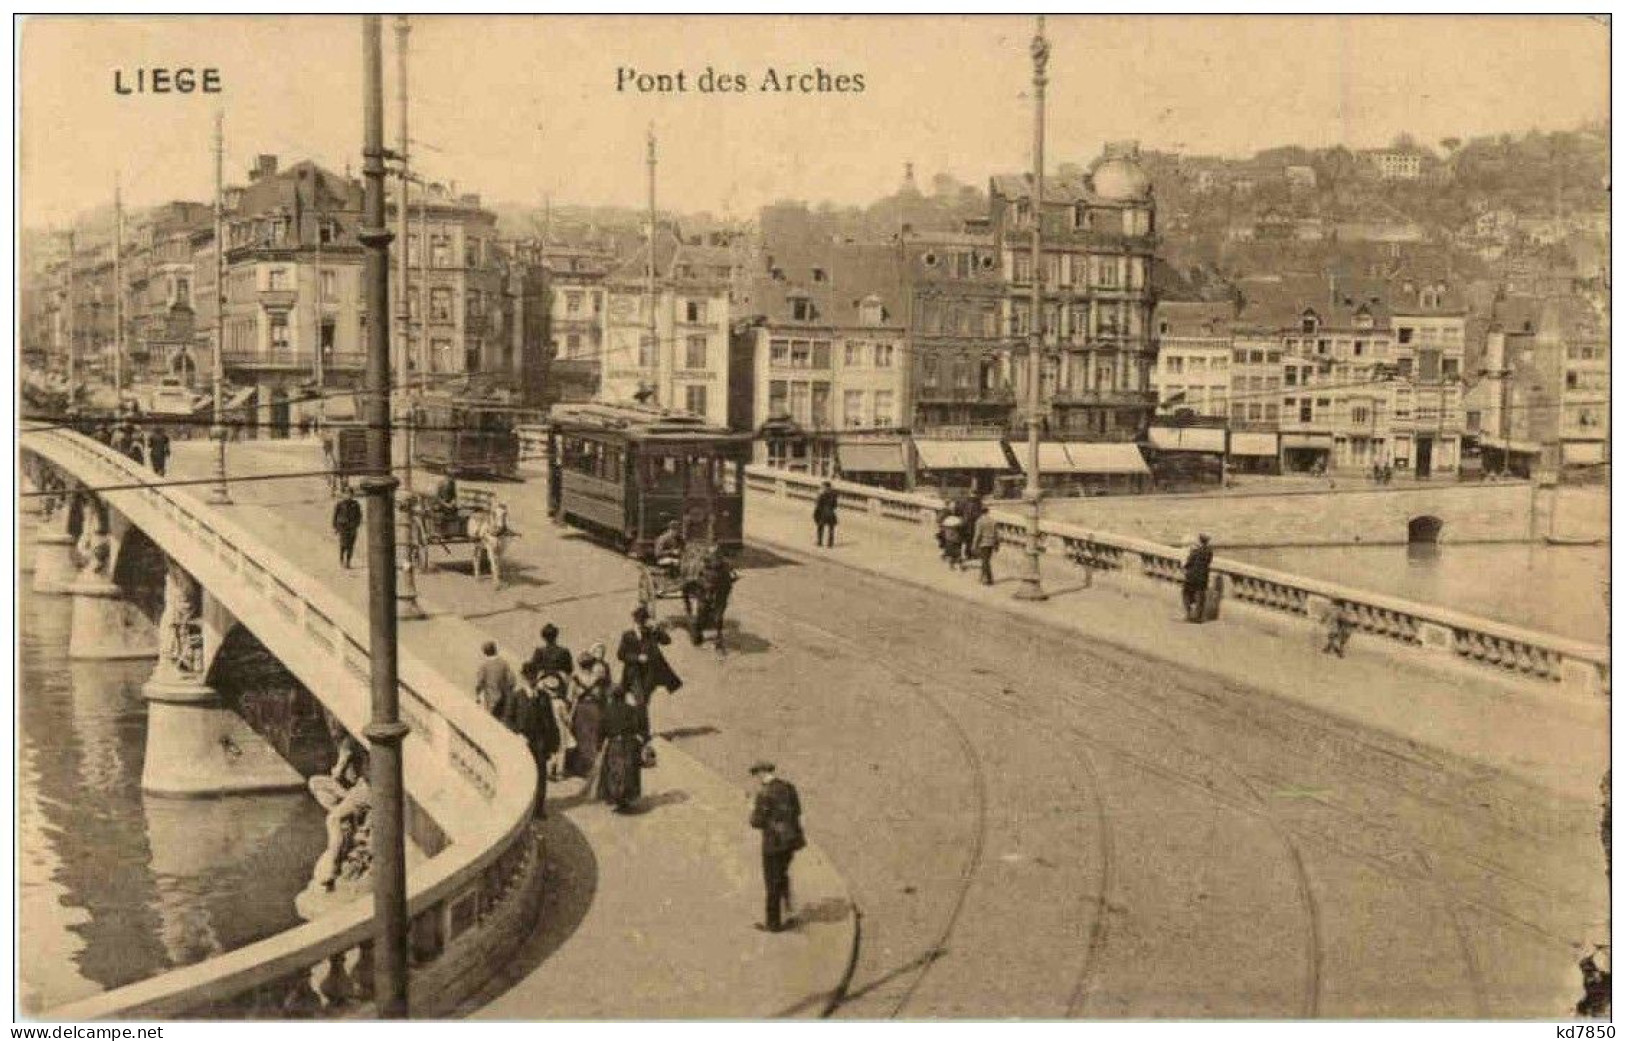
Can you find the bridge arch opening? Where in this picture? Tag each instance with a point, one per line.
(139, 572)
(1423, 530)
(253, 683)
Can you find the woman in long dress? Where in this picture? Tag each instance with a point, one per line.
(620, 770)
(592, 685)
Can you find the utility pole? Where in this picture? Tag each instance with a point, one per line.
(1032, 584)
(219, 495)
(385, 732)
(425, 357)
(403, 352)
(320, 361)
(73, 332)
(649, 271)
(118, 293)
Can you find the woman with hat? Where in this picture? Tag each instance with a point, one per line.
(555, 698)
(620, 765)
(644, 668)
(592, 686)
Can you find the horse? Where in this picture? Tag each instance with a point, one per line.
(488, 527)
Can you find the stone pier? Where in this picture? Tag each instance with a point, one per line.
(196, 744)
(54, 566)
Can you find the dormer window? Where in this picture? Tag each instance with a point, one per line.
(1362, 318)
(801, 309)
(871, 311)
(819, 275)
(1311, 322)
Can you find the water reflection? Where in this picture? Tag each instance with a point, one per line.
(114, 887)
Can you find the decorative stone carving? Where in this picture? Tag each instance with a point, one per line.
(180, 626)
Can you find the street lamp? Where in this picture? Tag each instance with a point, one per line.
(1032, 584)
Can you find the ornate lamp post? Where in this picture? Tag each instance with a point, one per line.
(1032, 584)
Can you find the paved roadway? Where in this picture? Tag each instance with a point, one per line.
(1041, 825)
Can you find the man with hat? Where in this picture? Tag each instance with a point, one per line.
(529, 713)
(644, 669)
(549, 659)
(777, 815)
(1194, 589)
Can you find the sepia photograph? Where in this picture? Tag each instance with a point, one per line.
(681, 517)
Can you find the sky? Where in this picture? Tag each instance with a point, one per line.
(522, 108)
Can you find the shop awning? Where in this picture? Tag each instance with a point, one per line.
(1188, 439)
(962, 455)
(1085, 458)
(1306, 441)
(239, 401)
(1508, 445)
(870, 459)
(1253, 443)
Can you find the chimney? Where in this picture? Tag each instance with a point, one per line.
(264, 166)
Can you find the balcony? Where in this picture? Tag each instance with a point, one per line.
(1110, 398)
(286, 361)
(278, 299)
(994, 396)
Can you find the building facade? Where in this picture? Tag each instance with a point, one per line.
(1099, 239)
(671, 344)
(1193, 354)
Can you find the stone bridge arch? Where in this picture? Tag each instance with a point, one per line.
(252, 682)
(1424, 529)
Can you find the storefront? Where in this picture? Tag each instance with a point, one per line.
(1504, 456)
(882, 464)
(956, 466)
(1306, 453)
(1186, 456)
(1255, 453)
(1088, 468)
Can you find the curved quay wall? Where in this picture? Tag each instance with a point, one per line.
(470, 785)
(1570, 665)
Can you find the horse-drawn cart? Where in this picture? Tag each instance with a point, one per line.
(478, 519)
(658, 581)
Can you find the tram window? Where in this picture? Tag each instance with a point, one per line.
(614, 464)
(728, 470)
(664, 474)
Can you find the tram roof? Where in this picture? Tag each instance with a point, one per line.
(636, 420)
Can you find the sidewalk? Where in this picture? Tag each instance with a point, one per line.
(646, 915)
(1538, 734)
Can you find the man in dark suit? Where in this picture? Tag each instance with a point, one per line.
(824, 513)
(644, 667)
(549, 659)
(157, 450)
(1194, 589)
(346, 521)
(777, 815)
(529, 713)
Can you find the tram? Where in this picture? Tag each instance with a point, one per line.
(624, 471)
(467, 437)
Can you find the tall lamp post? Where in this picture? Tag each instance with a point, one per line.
(385, 731)
(1032, 583)
(219, 495)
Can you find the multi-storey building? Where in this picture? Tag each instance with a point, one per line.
(460, 317)
(829, 353)
(1542, 401)
(576, 299)
(960, 369)
(1193, 358)
(1099, 238)
(1394, 164)
(293, 314)
(158, 271)
(1430, 343)
(670, 340)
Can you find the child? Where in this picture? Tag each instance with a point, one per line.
(553, 689)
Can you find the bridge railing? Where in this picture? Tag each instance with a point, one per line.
(469, 783)
(1510, 649)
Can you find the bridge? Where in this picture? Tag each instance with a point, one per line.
(1089, 811)
(470, 782)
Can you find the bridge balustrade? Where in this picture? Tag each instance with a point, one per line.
(469, 782)
(1571, 664)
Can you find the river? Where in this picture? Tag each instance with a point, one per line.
(1555, 589)
(115, 886)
